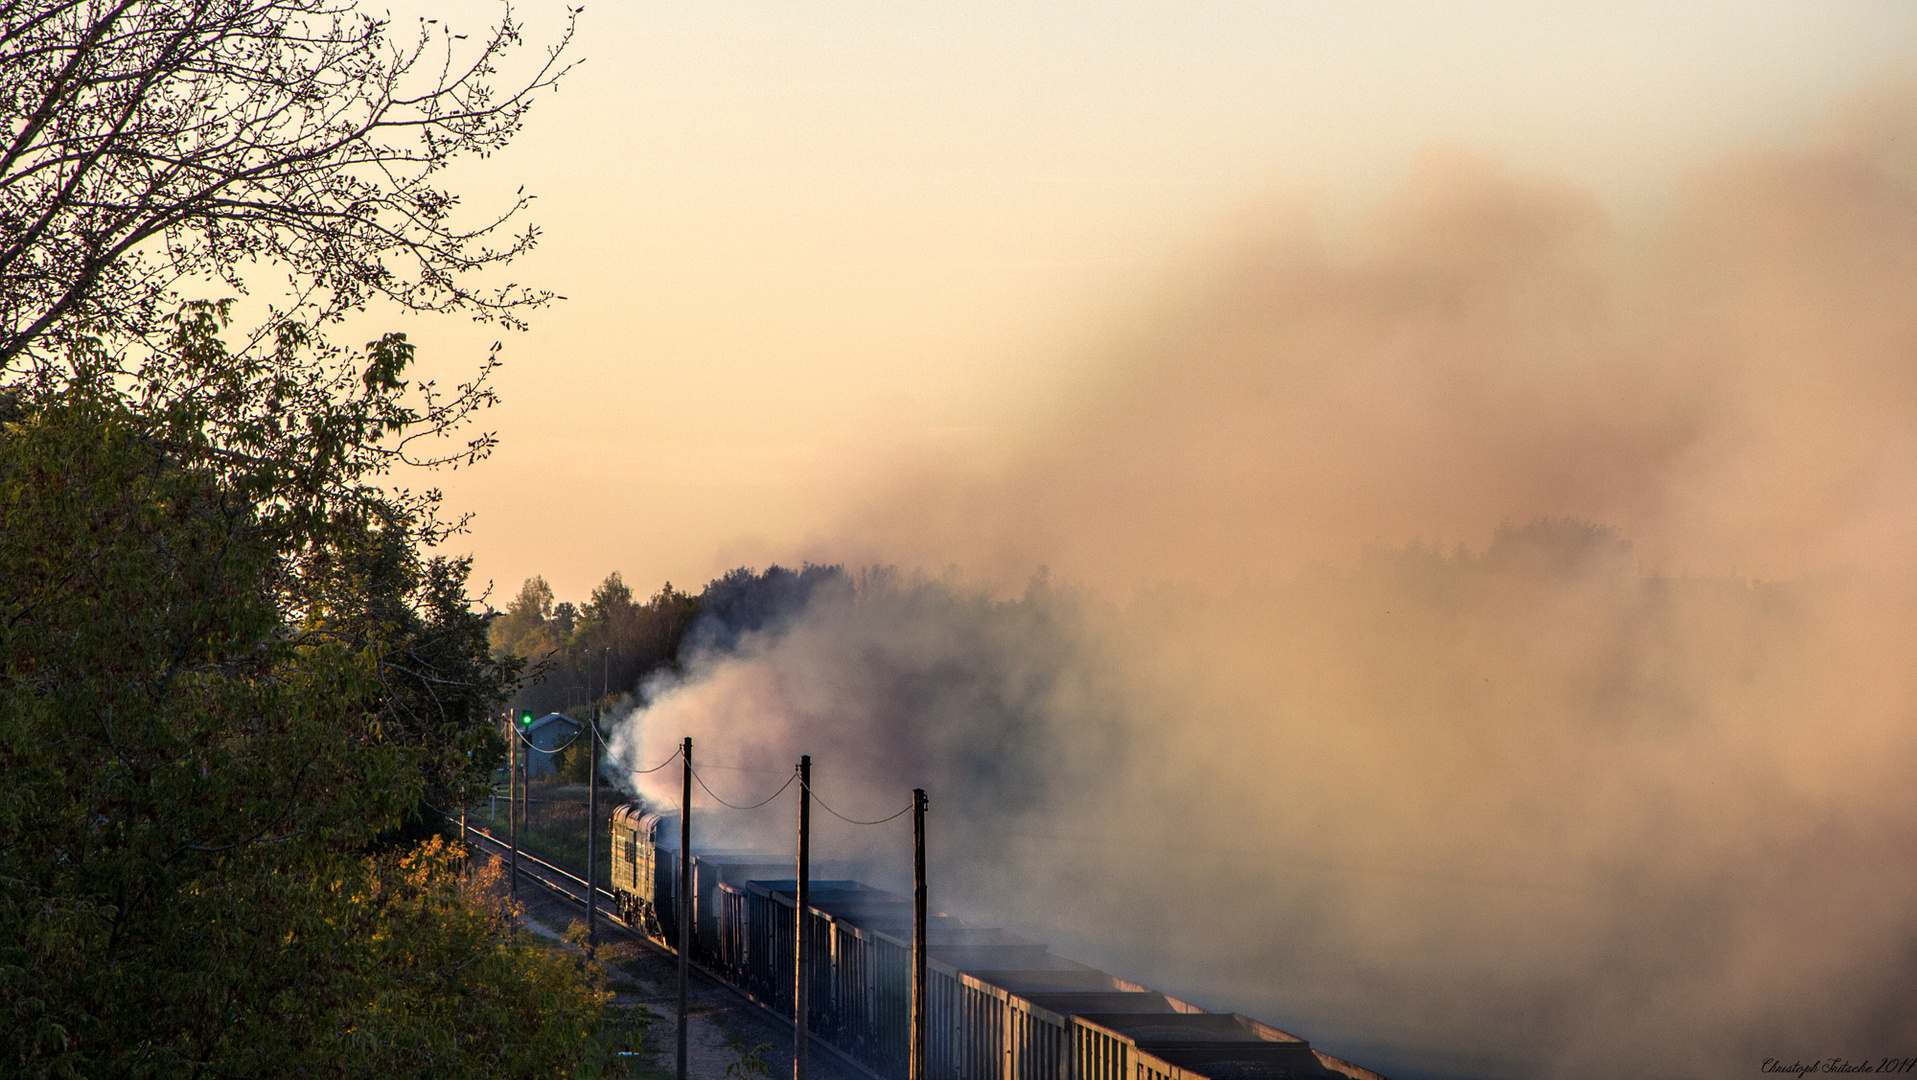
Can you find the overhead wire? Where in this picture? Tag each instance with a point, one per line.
(740, 768)
(850, 821)
(543, 750)
(614, 754)
(594, 728)
(655, 768)
(754, 806)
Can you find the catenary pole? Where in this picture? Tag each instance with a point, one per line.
(512, 808)
(682, 909)
(592, 835)
(801, 977)
(918, 934)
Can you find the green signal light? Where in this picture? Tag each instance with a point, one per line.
(525, 718)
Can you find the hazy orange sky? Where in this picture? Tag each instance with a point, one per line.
(808, 247)
(1203, 293)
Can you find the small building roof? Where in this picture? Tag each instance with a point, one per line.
(551, 733)
(550, 718)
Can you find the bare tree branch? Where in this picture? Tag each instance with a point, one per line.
(154, 144)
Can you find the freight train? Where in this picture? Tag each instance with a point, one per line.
(999, 1006)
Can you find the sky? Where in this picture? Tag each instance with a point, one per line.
(1473, 440)
(808, 248)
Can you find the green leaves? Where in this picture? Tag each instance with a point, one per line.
(206, 718)
(227, 666)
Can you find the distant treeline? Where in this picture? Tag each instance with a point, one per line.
(578, 655)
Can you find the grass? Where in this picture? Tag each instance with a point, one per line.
(555, 825)
(555, 830)
(628, 1041)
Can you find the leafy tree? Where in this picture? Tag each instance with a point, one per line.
(573, 765)
(228, 665)
(614, 641)
(522, 618)
(306, 442)
(1562, 547)
(742, 601)
(611, 604)
(210, 705)
(564, 618)
(447, 998)
(660, 630)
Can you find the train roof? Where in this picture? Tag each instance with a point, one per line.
(1190, 1029)
(660, 826)
(1082, 1002)
(1052, 980)
(648, 822)
(1218, 1046)
(951, 940)
(1207, 1046)
(1270, 1061)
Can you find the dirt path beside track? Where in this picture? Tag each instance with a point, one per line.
(720, 1021)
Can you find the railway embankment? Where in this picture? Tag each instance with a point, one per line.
(725, 1030)
(999, 1003)
(555, 824)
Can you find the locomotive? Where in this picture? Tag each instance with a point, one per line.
(999, 1006)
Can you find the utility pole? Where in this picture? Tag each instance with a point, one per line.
(801, 1003)
(684, 909)
(918, 934)
(512, 808)
(592, 834)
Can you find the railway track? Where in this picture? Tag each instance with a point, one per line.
(572, 887)
(1002, 1005)
(564, 882)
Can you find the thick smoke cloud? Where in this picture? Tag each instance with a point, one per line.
(1503, 657)
(890, 682)
(1731, 389)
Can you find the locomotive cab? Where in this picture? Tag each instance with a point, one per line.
(644, 865)
(645, 876)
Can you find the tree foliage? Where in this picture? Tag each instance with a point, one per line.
(513, 630)
(304, 442)
(229, 664)
(194, 778)
(604, 648)
(612, 644)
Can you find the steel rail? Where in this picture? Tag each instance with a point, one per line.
(567, 874)
(564, 890)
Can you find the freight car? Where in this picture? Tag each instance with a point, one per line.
(999, 1006)
(645, 877)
